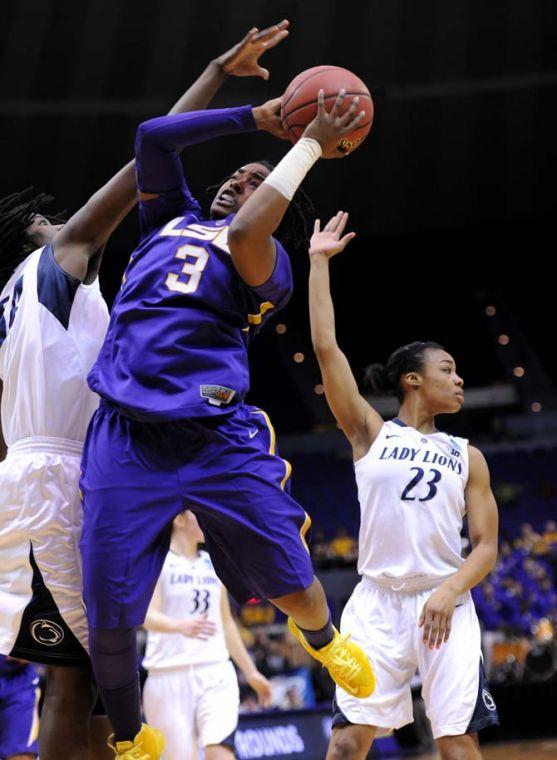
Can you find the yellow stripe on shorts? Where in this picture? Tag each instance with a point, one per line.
(273, 446)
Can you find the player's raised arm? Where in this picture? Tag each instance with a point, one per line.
(250, 234)
(78, 245)
(358, 420)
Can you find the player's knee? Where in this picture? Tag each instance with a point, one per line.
(346, 746)
(70, 688)
(457, 750)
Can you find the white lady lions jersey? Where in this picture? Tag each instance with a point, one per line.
(51, 329)
(411, 493)
(187, 588)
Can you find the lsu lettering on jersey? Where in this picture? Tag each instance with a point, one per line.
(411, 493)
(187, 589)
(51, 329)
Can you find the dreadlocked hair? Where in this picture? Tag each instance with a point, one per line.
(293, 229)
(17, 211)
(385, 378)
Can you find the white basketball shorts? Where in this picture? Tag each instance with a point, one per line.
(385, 624)
(197, 704)
(42, 617)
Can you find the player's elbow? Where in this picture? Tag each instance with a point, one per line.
(491, 552)
(324, 344)
(146, 133)
(488, 547)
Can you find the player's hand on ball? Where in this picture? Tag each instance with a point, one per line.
(331, 240)
(267, 118)
(198, 627)
(436, 617)
(262, 687)
(329, 126)
(243, 59)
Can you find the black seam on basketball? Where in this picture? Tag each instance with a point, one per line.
(295, 126)
(315, 74)
(327, 97)
(303, 126)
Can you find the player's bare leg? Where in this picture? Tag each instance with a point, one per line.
(309, 620)
(463, 747)
(350, 742)
(64, 726)
(218, 752)
(308, 608)
(22, 757)
(100, 729)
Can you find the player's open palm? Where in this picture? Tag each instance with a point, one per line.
(436, 617)
(198, 627)
(262, 687)
(331, 239)
(243, 59)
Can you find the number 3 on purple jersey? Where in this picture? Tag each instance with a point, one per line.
(191, 269)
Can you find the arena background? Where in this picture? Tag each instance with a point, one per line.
(453, 200)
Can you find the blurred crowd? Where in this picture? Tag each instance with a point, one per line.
(519, 595)
(341, 550)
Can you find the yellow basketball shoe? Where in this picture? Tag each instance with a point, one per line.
(346, 662)
(147, 745)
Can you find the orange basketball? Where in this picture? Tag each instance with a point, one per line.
(299, 102)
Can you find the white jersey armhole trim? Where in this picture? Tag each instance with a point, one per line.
(361, 459)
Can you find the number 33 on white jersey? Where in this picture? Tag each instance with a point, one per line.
(187, 588)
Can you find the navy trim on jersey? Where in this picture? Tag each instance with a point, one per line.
(399, 422)
(485, 711)
(17, 291)
(228, 741)
(3, 326)
(56, 288)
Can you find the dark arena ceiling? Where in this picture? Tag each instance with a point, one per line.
(452, 195)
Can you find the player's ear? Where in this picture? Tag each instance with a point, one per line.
(413, 379)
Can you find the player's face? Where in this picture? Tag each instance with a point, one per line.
(187, 522)
(41, 232)
(442, 386)
(232, 195)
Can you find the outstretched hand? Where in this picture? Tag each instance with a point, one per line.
(242, 60)
(330, 240)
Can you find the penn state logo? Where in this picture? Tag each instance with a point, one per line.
(46, 632)
(488, 700)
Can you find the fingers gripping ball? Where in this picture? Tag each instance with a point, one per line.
(299, 102)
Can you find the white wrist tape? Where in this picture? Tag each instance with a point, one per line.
(289, 173)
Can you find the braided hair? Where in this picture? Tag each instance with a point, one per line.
(17, 211)
(386, 378)
(293, 229)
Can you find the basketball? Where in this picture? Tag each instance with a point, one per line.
(299, 102)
